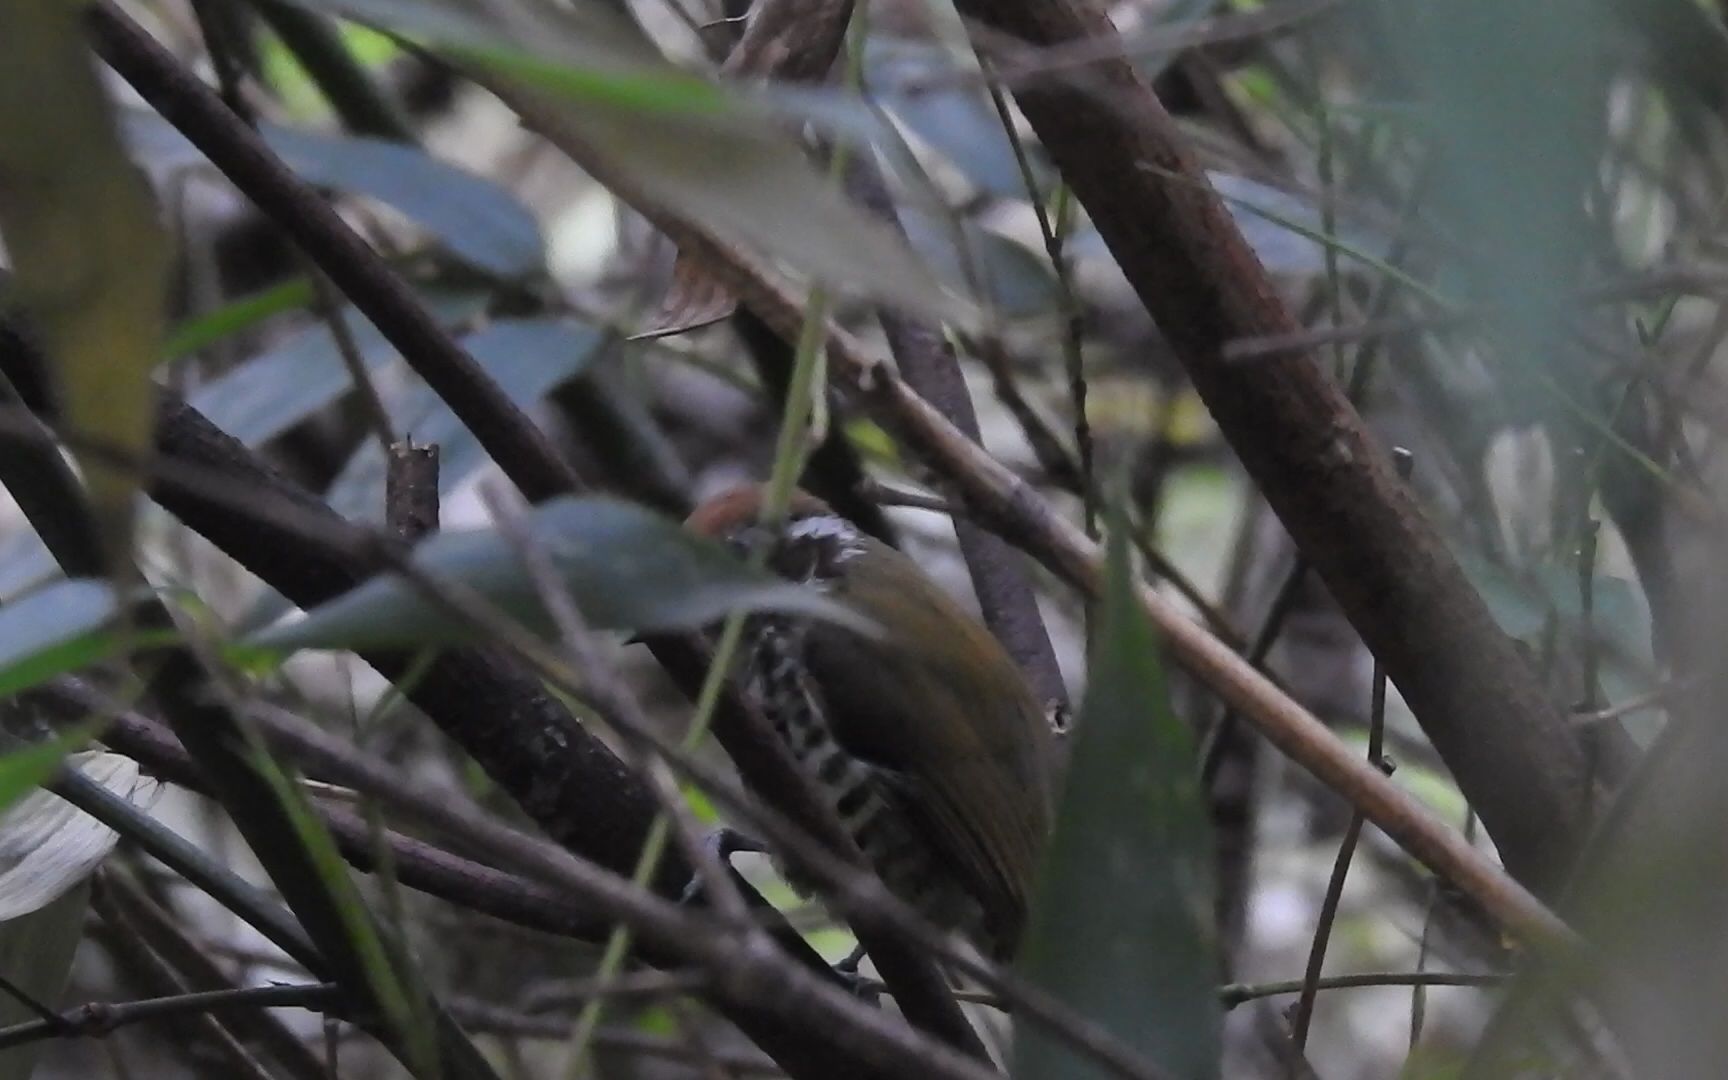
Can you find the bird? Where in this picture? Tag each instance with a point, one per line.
(925, 736)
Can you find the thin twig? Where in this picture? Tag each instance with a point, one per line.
(618, 707)
(158, 931)
(1000, 580)
(523, 452)
(1016, 64)
(1217, 737)
(98, 1018)
(485, 1017)
(743, 968)
(25, 998)
(1346, 847)
(1588, 704)
(537, 471)
(364, 107)
(1073, 323)
(1274, 1030)
(1418, 992)
(538, 899)
(1065, 473)
(578, 792)
(857, 893)
(1705, 283)
(328, 303)
(1288, 726)
(1234, 994)
(1301, 442)
(652, 983)
(193, 1036)
(1661, 697)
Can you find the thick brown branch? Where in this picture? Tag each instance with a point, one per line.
(563, 777)
(1001, 498)
(1303, 443)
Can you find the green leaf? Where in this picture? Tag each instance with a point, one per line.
(654, 89)
(581, 35)
(404, 1010)
(82, 234)
(1122, 926)
(626, 567)
(1012, 278)
(737, 176)
(24, 770)
(58, 628)
(200, 331)
(475, 218)
(709, 152)
(277, 389)
(956, 120)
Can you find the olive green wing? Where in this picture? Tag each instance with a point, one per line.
(942, 708)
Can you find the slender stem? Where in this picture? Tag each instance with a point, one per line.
(1347, 847)
(1234, 994)
(1052, 235)
(98, 1018)
(1218, 735)
(805, 401)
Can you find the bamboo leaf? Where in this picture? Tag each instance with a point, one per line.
(1122, 926)
(80, 226)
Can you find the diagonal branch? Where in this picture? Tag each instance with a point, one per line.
(999, 575)
(795, 40)
(999, 497)
(524, 453)
(525, 456)
(574, 788)
(1302, 442)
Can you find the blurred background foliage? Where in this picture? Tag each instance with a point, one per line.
(1498, 224)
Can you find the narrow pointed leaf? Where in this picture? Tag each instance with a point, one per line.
(473, 217)
(235, 316)
(81, 232)
(58, 628)
(272, 392)
(1123, 921)
(404, 1010)
(712, 153)
(626, 567)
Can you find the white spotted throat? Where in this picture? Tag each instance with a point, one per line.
(927, 740)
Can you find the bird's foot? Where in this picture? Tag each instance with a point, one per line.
(722, 843)
(865, 989)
